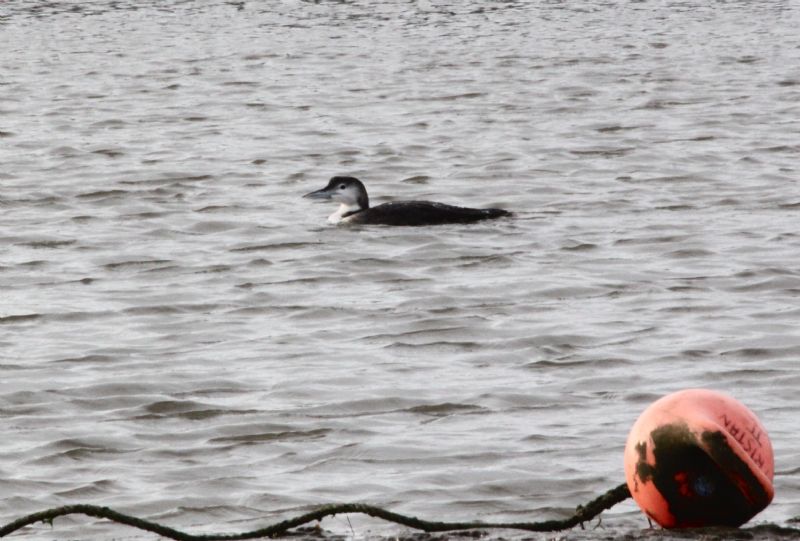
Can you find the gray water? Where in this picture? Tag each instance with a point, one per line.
(182, 337)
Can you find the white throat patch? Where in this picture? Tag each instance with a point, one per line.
(337, 217)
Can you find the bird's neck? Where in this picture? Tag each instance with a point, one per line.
(344, 211)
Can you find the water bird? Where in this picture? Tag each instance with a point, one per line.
(354, 208)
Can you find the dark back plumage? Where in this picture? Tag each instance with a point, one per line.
(423, 213)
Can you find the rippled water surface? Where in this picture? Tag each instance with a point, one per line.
(184, 338)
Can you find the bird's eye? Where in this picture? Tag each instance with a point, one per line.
(341, 187)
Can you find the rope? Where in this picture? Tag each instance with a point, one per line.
(582, 514)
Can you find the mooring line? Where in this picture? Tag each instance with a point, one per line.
(582, 514)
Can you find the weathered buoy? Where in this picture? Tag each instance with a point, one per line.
(699, 458)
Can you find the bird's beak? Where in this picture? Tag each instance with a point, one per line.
(319, 194)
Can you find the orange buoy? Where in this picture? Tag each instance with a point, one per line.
(699, 458)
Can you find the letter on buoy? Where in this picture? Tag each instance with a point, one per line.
(699, 458)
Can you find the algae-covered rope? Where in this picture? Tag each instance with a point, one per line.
(582, 514)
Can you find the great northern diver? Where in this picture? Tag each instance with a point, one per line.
(355, 209)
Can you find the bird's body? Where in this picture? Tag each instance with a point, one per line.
(355, 209)
(421, 213)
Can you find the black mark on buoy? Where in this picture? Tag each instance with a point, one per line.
(737, 470)
(701, 490)
(748, 438)
(644, 471)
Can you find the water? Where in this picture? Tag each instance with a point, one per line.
(184, 338)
